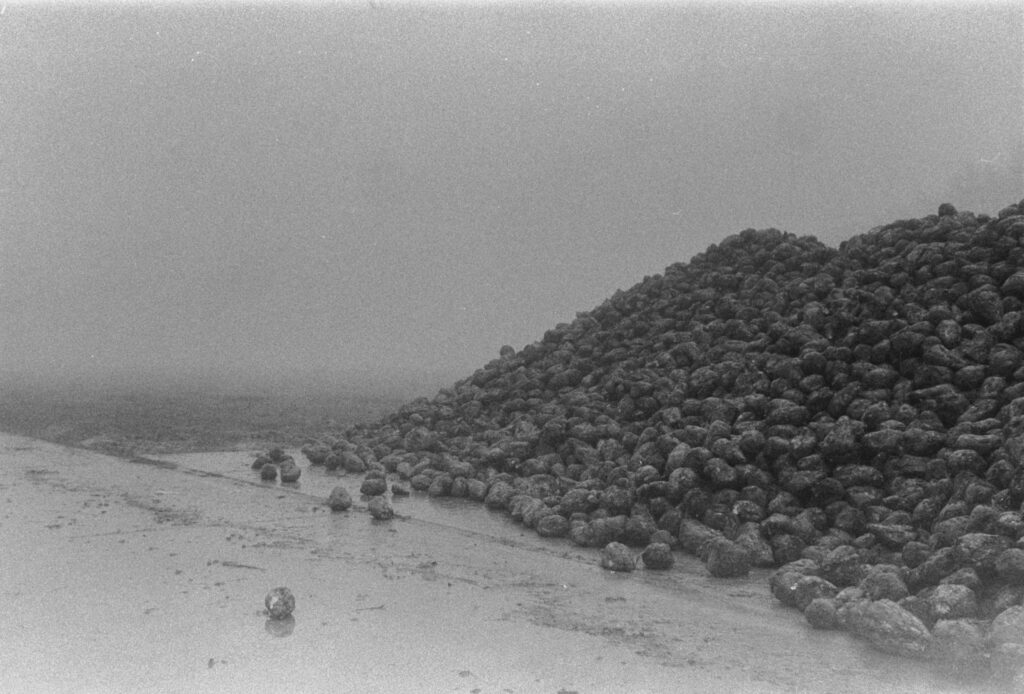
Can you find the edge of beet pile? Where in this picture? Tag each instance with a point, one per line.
(851, 416)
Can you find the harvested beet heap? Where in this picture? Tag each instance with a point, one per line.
(852, 416)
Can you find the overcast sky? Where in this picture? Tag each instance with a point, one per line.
(369, 188)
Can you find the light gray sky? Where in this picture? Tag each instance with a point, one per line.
(369, 188)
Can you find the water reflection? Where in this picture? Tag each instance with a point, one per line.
(280, 627)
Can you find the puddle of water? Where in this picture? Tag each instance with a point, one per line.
(155, 462)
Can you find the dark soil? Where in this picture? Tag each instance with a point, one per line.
(134, 419)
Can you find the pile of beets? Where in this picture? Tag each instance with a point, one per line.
(853, 418)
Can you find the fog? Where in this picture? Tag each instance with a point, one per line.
(391, 191)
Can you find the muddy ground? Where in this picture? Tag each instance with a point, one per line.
(148, 575)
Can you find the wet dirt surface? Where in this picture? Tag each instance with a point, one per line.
(148, 575)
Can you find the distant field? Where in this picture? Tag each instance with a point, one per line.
(129, 419)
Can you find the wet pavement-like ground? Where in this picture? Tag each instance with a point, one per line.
(149, 576)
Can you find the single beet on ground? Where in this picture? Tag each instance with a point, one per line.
(854, 417)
